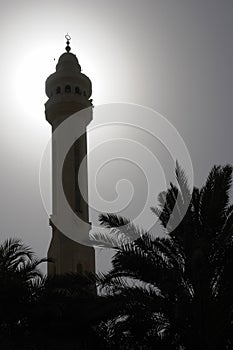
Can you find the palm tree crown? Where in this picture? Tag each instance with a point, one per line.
(175, 291)
(19, 281)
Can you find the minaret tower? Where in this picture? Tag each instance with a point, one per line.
(68, 92)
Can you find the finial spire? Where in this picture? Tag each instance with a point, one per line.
(68, 38)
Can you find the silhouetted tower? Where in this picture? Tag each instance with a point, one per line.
(69, 91)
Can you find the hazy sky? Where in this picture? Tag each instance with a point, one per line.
(175, 56)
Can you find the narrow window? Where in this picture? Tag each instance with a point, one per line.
(67, 88)
(58, 90)
(84, 93)
(76, 170)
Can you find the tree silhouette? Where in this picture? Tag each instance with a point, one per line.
(171, 293)
(176, 291)
(19, 278)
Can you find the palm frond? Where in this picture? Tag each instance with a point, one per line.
(215, 197)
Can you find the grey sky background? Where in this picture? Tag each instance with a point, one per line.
(173, 56)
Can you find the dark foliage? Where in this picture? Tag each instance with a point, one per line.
(169, 293)
(176, 291)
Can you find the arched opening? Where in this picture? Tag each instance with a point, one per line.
(58, 90)
(68, 88)
(77, 90)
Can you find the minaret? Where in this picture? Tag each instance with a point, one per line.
(68, 92)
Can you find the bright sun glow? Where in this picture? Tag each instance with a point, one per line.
(29, 80)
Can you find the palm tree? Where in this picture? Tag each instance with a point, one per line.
(175, 291)
(19, 278)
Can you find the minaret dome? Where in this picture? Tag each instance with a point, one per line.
(68, 85)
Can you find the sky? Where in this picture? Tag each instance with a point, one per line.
(172, 56)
